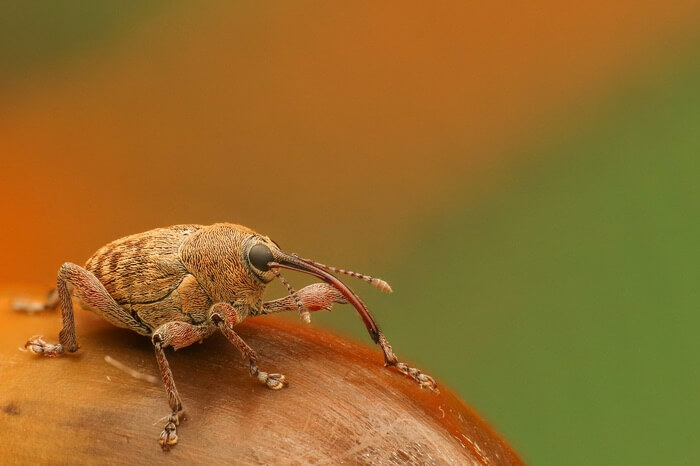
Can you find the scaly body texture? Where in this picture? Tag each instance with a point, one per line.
(178, 285)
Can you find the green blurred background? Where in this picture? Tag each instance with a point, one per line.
(526, 178)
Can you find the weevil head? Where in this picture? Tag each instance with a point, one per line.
(233, 263)
(219, 258)
(264, 257)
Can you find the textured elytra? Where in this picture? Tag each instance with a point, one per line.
(144, 267)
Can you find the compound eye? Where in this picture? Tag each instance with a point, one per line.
(259, 256)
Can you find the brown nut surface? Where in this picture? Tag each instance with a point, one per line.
(341, 405)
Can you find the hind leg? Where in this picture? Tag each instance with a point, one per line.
(88, 288)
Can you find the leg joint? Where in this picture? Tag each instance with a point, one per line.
(216, 317)
(157, 340)
(225, 313)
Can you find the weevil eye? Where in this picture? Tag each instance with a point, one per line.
(259, 255)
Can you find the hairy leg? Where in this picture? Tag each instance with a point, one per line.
(225, 317)
(322, 296)
(178, 335)
(390, 359)
(88, 288)
(314, 297)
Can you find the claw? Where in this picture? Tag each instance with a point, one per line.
(423, 380)
(273, 381)
(168, 437)
(38, 346)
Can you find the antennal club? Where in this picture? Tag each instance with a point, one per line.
(303, 312)
(375, 282)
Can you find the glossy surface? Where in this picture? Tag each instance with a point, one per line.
(341, 404)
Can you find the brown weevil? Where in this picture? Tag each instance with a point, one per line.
(178, 285)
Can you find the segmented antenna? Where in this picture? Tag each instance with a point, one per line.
(375, 282)
(303, 312)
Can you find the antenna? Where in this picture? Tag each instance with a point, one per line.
(375, 282)
(303, 312)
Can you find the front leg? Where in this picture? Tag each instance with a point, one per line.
(322, 296)
(225, 317)
(313, 297)
(390, 359)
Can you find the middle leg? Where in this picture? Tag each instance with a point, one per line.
(225, 317)
(178, 335)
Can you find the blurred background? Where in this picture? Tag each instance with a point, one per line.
(525, 176)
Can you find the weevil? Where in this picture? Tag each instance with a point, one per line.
(179, 285)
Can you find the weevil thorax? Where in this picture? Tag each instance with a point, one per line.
(218, 257)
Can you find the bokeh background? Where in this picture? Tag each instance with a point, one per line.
(524, 175)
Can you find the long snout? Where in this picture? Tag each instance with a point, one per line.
(292, 262)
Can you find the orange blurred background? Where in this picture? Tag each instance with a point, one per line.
(364, 135)
(319, 124)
